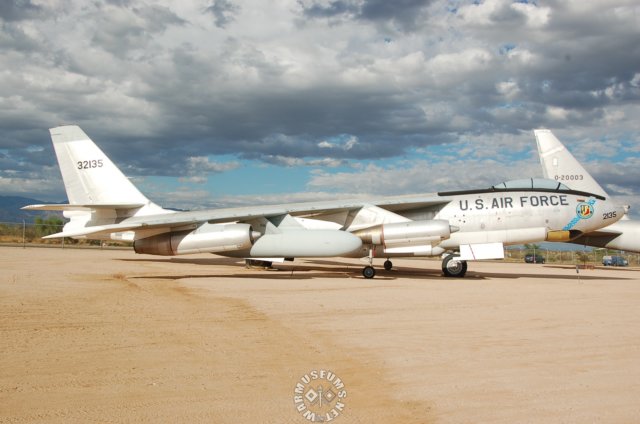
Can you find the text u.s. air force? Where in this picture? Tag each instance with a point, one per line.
(507, 202)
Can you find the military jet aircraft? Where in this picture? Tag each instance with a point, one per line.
(560, 165)
(459, 226)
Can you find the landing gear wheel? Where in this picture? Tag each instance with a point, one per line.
(256, 263)
(452, 267)
(388, 265)
(368, 272)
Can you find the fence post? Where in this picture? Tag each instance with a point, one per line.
(24, 234)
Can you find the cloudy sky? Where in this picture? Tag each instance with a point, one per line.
(224, 102)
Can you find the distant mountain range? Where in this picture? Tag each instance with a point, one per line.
(10, 209)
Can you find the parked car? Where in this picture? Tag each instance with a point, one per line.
(614, 261)
(531, 258)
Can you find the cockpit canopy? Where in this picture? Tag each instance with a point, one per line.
(531, 183)
(527, 184)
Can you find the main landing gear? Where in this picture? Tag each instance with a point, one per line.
(388, 265)
(453, 267)
(257, 263)
(369, 271)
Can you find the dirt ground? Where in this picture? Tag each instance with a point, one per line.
(110, 336)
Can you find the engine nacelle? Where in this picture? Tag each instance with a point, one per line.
(407, 234)
(207, 238)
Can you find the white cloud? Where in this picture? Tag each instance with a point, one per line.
(203, 164)
(557, 113)
(423, 177)
(619, 190)
(45, 189)
(537, 17)
(349, 144)
(167, 86)
(200, 167)
(456, 68)
(508, 89)
(289, 161)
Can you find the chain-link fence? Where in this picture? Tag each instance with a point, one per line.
(582, 255)
(24, 233)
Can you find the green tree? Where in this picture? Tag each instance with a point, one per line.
(532, 247)
(49, 225)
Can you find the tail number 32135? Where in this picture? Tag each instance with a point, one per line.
(88, 164)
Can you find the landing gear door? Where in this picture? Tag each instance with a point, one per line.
(474, 252)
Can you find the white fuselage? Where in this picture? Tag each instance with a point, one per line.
(521, 217)
(512, 217)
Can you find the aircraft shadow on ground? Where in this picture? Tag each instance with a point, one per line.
(214, 261)
(419, 272)
(583, 275)
(490, 275)
(310, 269)
(291, 272)
(322, 268)
(605, 268)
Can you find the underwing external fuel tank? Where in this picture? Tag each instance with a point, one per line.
(229, 238)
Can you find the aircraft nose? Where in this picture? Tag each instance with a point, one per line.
(620, 212)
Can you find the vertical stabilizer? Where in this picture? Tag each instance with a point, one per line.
(559, 164)
(90, 178)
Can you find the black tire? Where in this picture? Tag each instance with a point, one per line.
(388, 265)
(256, 263)
(368, 272)
(452, 267)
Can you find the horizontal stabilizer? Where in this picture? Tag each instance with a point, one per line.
(65, 207)
(95, 231)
